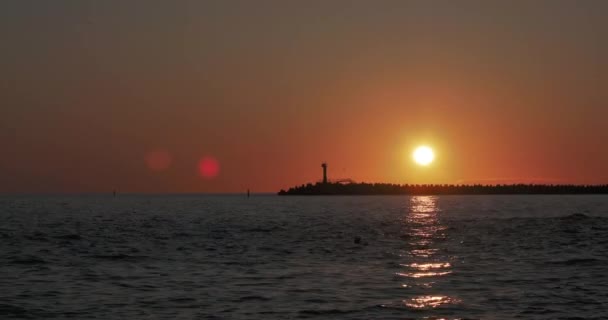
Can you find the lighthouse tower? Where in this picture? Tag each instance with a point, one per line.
(324, 166)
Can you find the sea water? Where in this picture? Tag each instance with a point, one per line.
(271, 257)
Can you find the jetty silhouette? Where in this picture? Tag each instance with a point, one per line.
(350, 187)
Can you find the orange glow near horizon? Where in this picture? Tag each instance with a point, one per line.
(271, 95)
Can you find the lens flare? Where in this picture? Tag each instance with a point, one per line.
(208, 167)
(158, 160)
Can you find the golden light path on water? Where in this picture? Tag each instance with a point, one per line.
(425, 264)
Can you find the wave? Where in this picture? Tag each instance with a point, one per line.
(251, 298)
(28, 260)
(326, 312)
(183, 299)
(120, 256)
(575, 216)
(37, 236)
(69, 237)
(11, 310)
(579, 261)
(316, 300)
(264, 230)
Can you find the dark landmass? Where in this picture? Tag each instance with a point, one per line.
(330, 188)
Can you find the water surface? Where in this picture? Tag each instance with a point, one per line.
(269, 257)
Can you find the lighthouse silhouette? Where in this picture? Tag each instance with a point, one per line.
(324, 166)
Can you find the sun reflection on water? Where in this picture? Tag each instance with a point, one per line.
(428, 266)
(425, 253)
(424, 302)
(426, 263)
(423, 274)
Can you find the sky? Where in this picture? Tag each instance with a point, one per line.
(224, 96)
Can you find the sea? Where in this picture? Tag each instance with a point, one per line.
(303, 257)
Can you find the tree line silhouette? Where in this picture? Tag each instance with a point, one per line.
(440, 189)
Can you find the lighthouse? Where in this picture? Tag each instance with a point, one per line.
(324, 166)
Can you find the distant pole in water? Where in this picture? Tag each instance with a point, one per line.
(114, 193)
(324, 166)
(247, 193)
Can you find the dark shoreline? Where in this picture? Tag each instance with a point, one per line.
(440, 189)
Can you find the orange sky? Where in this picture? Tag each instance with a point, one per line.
(503, 91)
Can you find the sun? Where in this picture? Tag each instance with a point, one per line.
(424, 155)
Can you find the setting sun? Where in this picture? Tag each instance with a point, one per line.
(424, 155)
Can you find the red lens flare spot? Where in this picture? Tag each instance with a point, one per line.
(208, 167)
(158, 160)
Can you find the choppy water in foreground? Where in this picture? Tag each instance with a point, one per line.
(269, 257)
